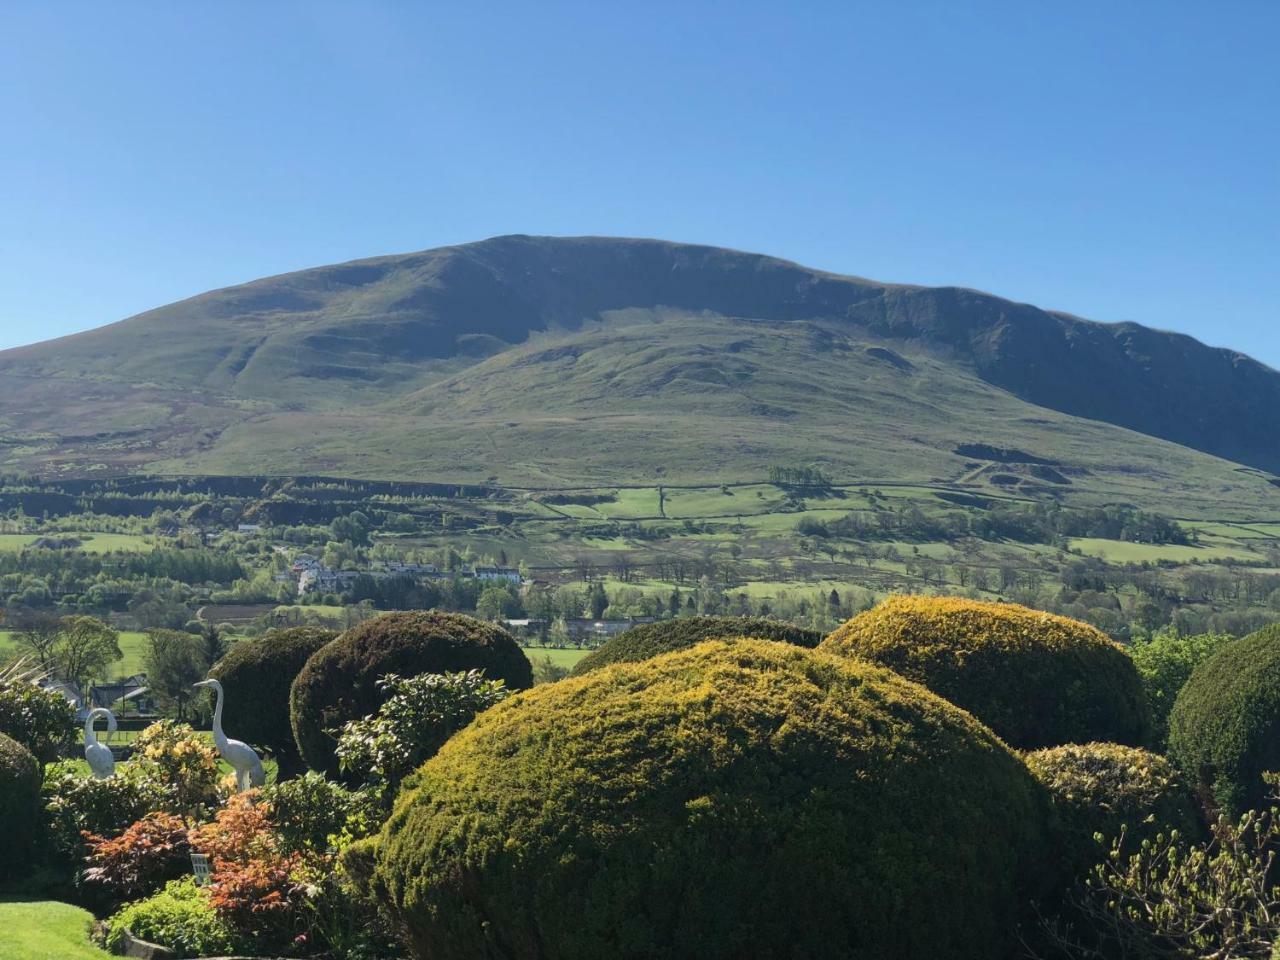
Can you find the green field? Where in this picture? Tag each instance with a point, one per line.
(1119, 551)
(132, 645)
(97, 543)
(567, 657)
(46, 930)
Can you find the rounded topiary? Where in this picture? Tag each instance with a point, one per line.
(340, 680)
(256, 676)
(1108, 789)
(1224, 730)
(19, 804)
(664, 636)
(738, 799)
(1036, 679)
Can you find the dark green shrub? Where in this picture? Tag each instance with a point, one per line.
(650, 639)
(179, 917)
(1036, 679)
(739, 799)
(256, 677)
(1224, 731)
(41, 720)
(312, 814)
(19, 806)
(1107, 789)
(340, 681)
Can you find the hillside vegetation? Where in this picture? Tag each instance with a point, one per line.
(547, 362)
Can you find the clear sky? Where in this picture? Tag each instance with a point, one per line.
(1116, 160)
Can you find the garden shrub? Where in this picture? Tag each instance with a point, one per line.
(1036, 679)
(75, 805)
(339, 682)
(664, 636)
(1102, 792)
(1224, 731)
(141, 859)
(19, 805)
(41, 720)
(313, 814)
(178, 763)
(738, 799)
(256, 675)
(420, 714)
(179, 917)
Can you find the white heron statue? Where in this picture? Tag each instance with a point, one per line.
(241, 757)
(98, 755)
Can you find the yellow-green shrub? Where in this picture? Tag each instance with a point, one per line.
(650, 639)
(1038, 680)
(1108, 789)
(738, 799)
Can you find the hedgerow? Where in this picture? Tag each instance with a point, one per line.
(651, 639)
(739, 799)
(340, 682)
(1038, 680)
(1224, 730)
(256, 676)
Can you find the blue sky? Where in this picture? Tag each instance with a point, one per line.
(1119, 161)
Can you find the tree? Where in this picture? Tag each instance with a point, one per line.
(598, 599)
(38, 635)
(215, 645)
(1165, 662)
(174, 661)
(86, 647)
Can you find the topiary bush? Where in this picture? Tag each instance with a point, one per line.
(1108, 789)
(256, 678)
(1224, 730)
(664, 636)
(1036, 679)
(739, 799)
(340, 682)
(19, 806)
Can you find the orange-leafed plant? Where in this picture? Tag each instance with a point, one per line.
(141, 859)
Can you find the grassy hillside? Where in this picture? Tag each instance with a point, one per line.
(586, 361)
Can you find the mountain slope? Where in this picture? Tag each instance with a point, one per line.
(550, 360)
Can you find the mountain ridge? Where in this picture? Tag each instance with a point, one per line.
(378, 334)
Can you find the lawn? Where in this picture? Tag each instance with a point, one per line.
(46, 930)
(567, 657)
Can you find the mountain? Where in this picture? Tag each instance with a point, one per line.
(561, 361)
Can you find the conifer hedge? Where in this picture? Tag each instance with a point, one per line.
(340, 680)
(257, 675)
(738, 799)
(20, 777)
(1224, 731)
(1038, 680)
(664, 636)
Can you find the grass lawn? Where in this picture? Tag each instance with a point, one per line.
(561, 656)
(46, 930)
